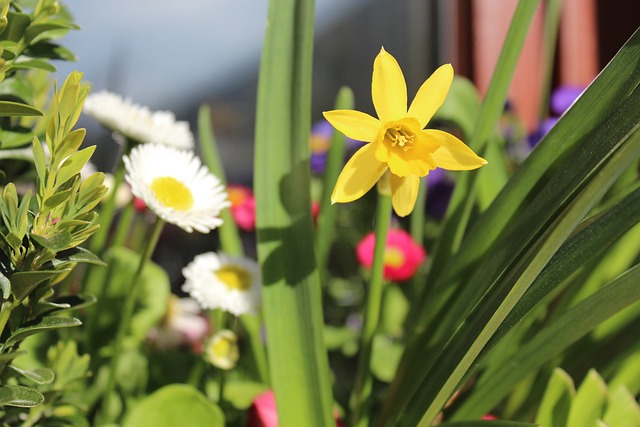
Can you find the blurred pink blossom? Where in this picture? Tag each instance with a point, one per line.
(243, 206)
(263, 412)
(402, 255)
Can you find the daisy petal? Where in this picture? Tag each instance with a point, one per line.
(431, 95)
(354, 124)
(360, 173)
(388, 88)
(404, 192)
(454, 154)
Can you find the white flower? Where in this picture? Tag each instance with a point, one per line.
(221, 281)
(137, 122)
(222, 349)
(176, 186)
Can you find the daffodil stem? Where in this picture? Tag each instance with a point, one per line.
(364, 381)
(417, 233)
(127, 313)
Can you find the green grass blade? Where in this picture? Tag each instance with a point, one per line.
(291, 286)
(602, 97)
(462, 198)
(335, 161)
(458, 356)
(557, 337)
(229, 235)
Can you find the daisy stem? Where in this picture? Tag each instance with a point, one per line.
(97, 244)
(127, 313)
(364, 382)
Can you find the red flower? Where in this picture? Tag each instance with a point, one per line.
(243, 206)
(263, 412)
(402, 255)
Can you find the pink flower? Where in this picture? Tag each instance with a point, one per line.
(402, 255)
(489, 417)
(243, 206)
(139, 205)
(263, 412)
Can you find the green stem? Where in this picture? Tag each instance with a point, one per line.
(107, 213)
(364, 381)
(416, 226)
(127, 313)
(124, 225)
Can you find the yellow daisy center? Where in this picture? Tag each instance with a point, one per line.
(399, 136)
(172, 193)
(234, 277)
(393, 257)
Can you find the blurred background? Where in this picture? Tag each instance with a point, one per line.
(177, 56)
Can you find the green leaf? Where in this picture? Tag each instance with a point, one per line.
(5, 286)
(16, 137)
(325, 228)
(6, 357)
(11, 109)
(38, 375)
(24, 282)
(291, 291)
(622, 409)
(588, 403)
(56, 199)
(59, 241)
(75, 162)
(462, 105)
(556, 403)
(46, 324)
(385, 358)
(34, 64)
(174, 405)
(50, 51)
(71, 143)
(16, 26)
(76, 254)
(242, 393)
(36, 30)
(39, 159)
(555, 338)
(20, 396)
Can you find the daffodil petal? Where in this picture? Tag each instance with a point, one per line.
(354, 124)
(360, 173)
(404, 192)
(431, 95)
(453, 153)
(388, 88)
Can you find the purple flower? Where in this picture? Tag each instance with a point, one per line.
(541, 131)
(439, 189)
(563, 97)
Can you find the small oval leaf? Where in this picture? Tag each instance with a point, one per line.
(17, 395)
(37, 375)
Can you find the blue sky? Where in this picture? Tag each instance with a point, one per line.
(160, 52)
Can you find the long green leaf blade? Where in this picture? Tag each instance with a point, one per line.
(291, 292)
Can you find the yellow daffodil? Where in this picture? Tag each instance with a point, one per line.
(397, 140)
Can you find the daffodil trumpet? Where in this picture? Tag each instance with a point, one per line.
(397, 140)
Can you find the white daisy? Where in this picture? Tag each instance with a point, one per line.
(221, 281)
(137, 122)
(176, 186)
(222, 349)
